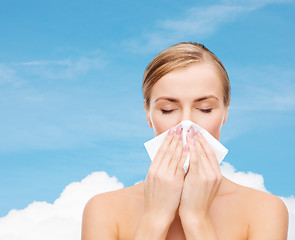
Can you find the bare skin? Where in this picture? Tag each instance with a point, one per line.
(201, 204)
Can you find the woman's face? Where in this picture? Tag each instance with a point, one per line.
(191, 93)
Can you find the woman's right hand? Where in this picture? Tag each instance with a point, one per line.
(164, 181)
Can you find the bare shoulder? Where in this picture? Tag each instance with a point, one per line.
(114, 200)
(267, 214)
(103, 212)
(263, 203)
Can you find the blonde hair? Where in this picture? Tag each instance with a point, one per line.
(177, 56)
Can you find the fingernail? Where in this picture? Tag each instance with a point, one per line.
(178, 130)
(171, 131)
(192, 132)
(199, 134)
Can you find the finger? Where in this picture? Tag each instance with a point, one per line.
(204, 165)
(198, 158)
(207, 175)
(180, 170)
(193, 165)
(178, 151)
(211, 170)
(211, 156)
(162, 150)
(169, 154)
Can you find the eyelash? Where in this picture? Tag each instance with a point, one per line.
(202, 110)
(166, 111)
(206, 110)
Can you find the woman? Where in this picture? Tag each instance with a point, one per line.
(185, 82)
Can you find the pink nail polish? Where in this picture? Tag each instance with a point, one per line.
(171, 131)
(192, 132)
(178, 130)
(199, 134)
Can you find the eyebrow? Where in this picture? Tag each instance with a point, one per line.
(195, 100)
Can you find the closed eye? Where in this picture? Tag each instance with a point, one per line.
(206, 110)
(167, 111)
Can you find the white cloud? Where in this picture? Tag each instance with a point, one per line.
(63, 68)
(248, 179)
(203, 20)
(8, 77)
(255, 3)
(5, 74)
(263, 88)
(38, 113)
(62, 219)
(197, 22)
(261, 98)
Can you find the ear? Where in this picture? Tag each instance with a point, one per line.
(147, 114)
(226, 113)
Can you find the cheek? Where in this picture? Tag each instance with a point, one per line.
(212, 125)
(215, 130)
(162, 123)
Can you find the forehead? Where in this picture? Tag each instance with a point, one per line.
(195, 80)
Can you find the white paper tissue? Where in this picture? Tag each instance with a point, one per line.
(154, 144)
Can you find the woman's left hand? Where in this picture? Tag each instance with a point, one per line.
(202, 181)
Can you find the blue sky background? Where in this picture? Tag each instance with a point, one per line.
(70, 88)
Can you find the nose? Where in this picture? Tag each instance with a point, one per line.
(186, 115)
